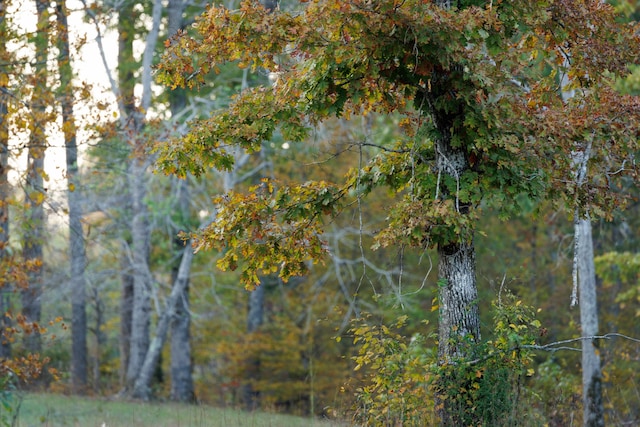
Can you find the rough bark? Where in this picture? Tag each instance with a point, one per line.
(459, 321)
(142, 388)
(74, 197)
(593, 408)
(458, 299)
(34, 188)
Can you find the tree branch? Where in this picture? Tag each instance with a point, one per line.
(556, 346)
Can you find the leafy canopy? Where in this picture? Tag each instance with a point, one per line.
(499, 67)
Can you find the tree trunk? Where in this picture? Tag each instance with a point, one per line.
(126, 60)
(34, 188)
(141, 307)
(140, 233)
(74, 197)
(255, 319)
(457, 299)
(126, 84)
(591, 371)
(182, 389)
(126, 312)
(459, 318)
(142, 388)
(5, 321)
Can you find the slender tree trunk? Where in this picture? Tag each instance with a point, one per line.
(141, 308)
(126, 311)
(5, 321)
(126, 83)
(593, 408)
(35, 192)
(140, 232)
(100, 336)
(74, 197)
(585, 276)
(255, 319)
(142, 386)
(182, 389)
(127, 64)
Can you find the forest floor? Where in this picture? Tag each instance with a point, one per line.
(50, 410)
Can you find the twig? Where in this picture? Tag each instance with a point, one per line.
(555, 346)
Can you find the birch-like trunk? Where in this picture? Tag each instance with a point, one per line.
(140, 231)
(142, 386)
(584, 282)
(74, 197)
(141, 302)
(182, 389)
(593, 408)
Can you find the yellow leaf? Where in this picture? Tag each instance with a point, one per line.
(72, 187)
(38, 198)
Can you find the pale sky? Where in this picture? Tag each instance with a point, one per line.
(90, 69)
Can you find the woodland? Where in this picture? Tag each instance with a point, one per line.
(378, 212)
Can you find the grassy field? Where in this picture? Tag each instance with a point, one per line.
(39, 410)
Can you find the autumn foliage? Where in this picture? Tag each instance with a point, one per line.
(496, 103)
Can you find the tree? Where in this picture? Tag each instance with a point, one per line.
(181, 358)
(475, 87)
(33, 237)
(76, 236)
(593, 408)
(5, 345)
(127, 106)
(141, 389)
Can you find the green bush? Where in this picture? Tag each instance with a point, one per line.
(406, 385)
(10, 401)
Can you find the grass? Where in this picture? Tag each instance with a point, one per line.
(49, 410)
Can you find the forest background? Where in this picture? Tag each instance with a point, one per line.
(78, 250)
